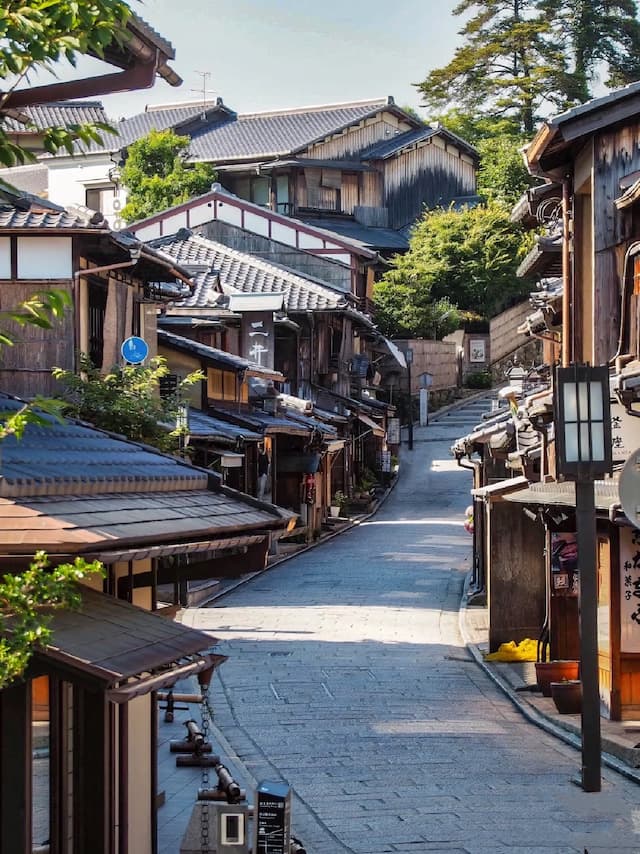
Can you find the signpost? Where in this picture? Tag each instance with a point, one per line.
(272, 818)
(134, 350)
(426, 381)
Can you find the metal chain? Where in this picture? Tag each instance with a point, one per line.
(204, 807)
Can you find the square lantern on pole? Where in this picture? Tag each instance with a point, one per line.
(583, 422)
(584, 453)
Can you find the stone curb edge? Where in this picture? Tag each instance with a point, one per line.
(531, 714)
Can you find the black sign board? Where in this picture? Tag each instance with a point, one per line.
(272, 818)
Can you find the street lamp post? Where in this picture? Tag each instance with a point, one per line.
(409, 360)
(583, 453)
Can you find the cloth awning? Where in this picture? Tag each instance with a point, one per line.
(376, 429)
(122, 649)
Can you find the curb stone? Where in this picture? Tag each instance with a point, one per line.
(532, 715)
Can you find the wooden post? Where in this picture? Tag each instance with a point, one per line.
(15, 768)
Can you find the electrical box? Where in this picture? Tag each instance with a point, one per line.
(228, 829)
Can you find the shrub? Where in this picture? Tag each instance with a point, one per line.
(478, 379)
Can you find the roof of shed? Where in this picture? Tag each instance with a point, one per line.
(231, 269)
(367, 236)
(112, 642)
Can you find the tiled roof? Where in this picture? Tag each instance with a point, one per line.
(70, 487)
(277, 133)
(61, 114)
(231, 269)
(266, 423)
(372, 238)
(161, 118)
(210, 354)
(54, 455)
(206, 426)
(380, 150)
(28, 211)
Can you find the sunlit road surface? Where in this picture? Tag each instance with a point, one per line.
(348, 678)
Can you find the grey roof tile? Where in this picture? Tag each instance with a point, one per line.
(206, 426)
(277, 133)
(28, 211)
(61, 114)
(387, 147)
(231, 269)
(74, 452)
(372, 238)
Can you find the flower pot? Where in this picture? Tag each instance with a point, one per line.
(554, 671)
(334, 511)
(567, 696)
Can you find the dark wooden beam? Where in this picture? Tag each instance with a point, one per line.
(92, 770)
(15, 768)
(140, 76)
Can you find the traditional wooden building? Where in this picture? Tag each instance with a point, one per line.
(88, 701)
(590, 159)
(362, 170)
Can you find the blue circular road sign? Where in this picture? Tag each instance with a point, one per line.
(134, 350)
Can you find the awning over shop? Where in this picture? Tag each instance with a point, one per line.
(376, 429)
(202, 426)
(500, 488)
(556, 494)
(75, 524)
(122, 649)
(396, 352)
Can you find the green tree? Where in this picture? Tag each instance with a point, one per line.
(464, 259)
(502, 176)
(26, 601)
(521, 58)
(25, 596)
(602, 39)
(507, 66)
(157, 175)
(35, 35)
(127, 400)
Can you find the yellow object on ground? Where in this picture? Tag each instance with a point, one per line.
(526, 650)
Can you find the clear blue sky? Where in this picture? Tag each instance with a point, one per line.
(269, 54)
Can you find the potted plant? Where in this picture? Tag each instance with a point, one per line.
(338, 504)
(567, 696)
(555, 671)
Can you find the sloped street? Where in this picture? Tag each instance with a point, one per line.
(349, 679)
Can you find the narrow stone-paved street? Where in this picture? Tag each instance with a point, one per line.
(348, 678)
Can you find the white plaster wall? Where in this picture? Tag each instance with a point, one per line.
(69, 179)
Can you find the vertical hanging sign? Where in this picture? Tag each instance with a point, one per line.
(629, 590)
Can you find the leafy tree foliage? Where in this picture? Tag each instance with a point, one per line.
(35, 35)
(127, 400)
(157, 175)
(502, 176)
(522, 57)
(26, 602)
(464, 260)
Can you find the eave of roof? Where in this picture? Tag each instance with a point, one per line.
(550, 145)
(125, 650)
(218, 357)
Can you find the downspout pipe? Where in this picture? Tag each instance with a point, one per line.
(567, 342)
